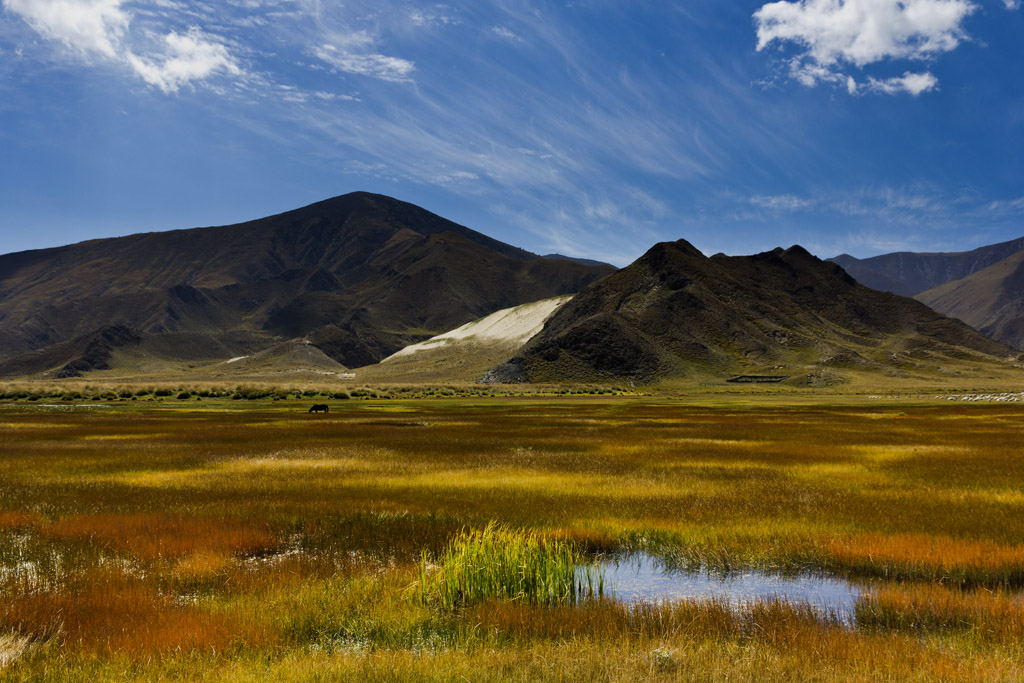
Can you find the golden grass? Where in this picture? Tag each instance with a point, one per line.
(983, 614)
(952, 560)
(254, 542)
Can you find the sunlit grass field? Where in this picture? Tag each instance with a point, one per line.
(249, 540)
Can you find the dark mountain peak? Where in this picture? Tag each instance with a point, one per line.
(672, 255)
(351, 230)
(670, 264)
(686, 248)
(799, 258)
(796, 251)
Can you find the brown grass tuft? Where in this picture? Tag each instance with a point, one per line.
(10, 519)
(115, 615)
(153, 536)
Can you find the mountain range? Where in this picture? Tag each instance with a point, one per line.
(358, 276)
(351, 281)
(910, 273)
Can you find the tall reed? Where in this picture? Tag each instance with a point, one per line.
(502, 563)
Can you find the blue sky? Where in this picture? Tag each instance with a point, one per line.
(588, 127)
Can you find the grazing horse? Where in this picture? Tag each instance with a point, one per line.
(320, 408)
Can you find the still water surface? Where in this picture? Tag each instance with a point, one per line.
(643, 577)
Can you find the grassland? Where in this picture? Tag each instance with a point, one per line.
(247, 540)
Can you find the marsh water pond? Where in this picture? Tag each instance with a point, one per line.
(644, 577)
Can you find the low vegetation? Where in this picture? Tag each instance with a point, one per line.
(438, 538)
(499, 563)
(32, 392)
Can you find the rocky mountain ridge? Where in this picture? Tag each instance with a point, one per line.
(676, 313)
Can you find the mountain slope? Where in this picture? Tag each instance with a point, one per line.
(675, 312)
(360, 275)
(990, 300)
(909, 273)
(466, 353)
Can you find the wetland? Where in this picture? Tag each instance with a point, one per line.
(247, 540)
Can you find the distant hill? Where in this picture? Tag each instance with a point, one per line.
(991, 300)
(359, 276)
(676, 313)
(576, 259)
(909, 273)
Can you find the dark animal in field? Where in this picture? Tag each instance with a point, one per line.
(320, 408)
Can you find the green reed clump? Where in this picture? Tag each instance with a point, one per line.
(502, 563)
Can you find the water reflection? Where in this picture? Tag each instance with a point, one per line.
(644, 577)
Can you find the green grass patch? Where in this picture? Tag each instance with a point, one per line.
(502, 563)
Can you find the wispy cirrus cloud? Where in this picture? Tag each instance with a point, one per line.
(874, 241)
(351, 57)
(829, 36)
(432, 16)
(1006, 207)
(784, 202)
(506, 33)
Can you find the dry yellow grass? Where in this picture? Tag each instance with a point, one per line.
(249, 542)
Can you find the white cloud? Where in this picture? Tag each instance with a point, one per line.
(186, 58)
(101, 28)
(915, 84)
(352, 53)
(833, 34)
(1012, 4)
(87, 26)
